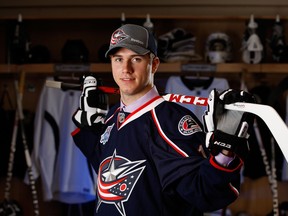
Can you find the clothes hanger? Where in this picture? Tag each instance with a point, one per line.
(70, 73)
(65, 77)
(192, 82)
(203, 75)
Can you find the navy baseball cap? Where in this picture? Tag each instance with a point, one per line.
(133, 37)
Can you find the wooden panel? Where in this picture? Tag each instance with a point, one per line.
(139, 2)
(88, 12)
(139, 10)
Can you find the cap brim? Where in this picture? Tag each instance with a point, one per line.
(137, 49)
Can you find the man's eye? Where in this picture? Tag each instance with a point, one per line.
(136, 59)
(117, 59)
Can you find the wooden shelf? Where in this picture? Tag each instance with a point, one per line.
(6, 69)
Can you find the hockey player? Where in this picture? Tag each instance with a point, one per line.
(151, 155)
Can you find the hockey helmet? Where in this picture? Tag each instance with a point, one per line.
(252, 50)
(218, 48)
(75, 51)
(39, 54)
(278, 42)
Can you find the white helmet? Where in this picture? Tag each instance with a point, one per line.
(252, 50)
(218, 48)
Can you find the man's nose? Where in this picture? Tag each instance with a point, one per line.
(127, 67)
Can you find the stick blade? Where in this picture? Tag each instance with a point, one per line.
(271, 118)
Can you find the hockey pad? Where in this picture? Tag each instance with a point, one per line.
(93, 105)
(227, 122)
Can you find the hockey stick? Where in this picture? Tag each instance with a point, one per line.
(267, 113)
(274, 184)
(271, 173)
(19, 96)
(9, 206)
(72, 86)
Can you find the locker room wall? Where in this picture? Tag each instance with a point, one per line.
(197, 16)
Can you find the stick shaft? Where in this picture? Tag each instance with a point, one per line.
(72, 86)
(268, 114)
(19, 96)
(11, 158)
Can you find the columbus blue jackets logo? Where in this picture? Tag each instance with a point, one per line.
(116, 179)
(117, 37)
(187, 126)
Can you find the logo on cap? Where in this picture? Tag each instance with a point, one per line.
(118, 36)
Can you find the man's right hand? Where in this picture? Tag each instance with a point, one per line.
(93, 106)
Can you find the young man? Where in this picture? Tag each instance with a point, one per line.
(150, 154)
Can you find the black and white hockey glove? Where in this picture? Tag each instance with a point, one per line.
(227, 129)
(93, 106)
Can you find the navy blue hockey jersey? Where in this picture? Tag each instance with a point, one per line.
(150, 164)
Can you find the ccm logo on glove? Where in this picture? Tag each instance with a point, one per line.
(228, 146)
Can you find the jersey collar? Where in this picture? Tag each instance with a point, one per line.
(139, 102)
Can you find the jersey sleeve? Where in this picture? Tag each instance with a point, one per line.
(183, 168)
(86, 140)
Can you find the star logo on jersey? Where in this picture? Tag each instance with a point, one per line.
(116, 179)
(188, 126)
(117, 37)
(105, 136)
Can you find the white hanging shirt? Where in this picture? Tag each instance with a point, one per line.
(175, 85)
(66, 175)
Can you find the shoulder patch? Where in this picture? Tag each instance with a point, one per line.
(188, 126)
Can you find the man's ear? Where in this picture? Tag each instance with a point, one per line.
(155, 64)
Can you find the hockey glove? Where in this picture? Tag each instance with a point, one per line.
(227, 129)
(93, 106)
